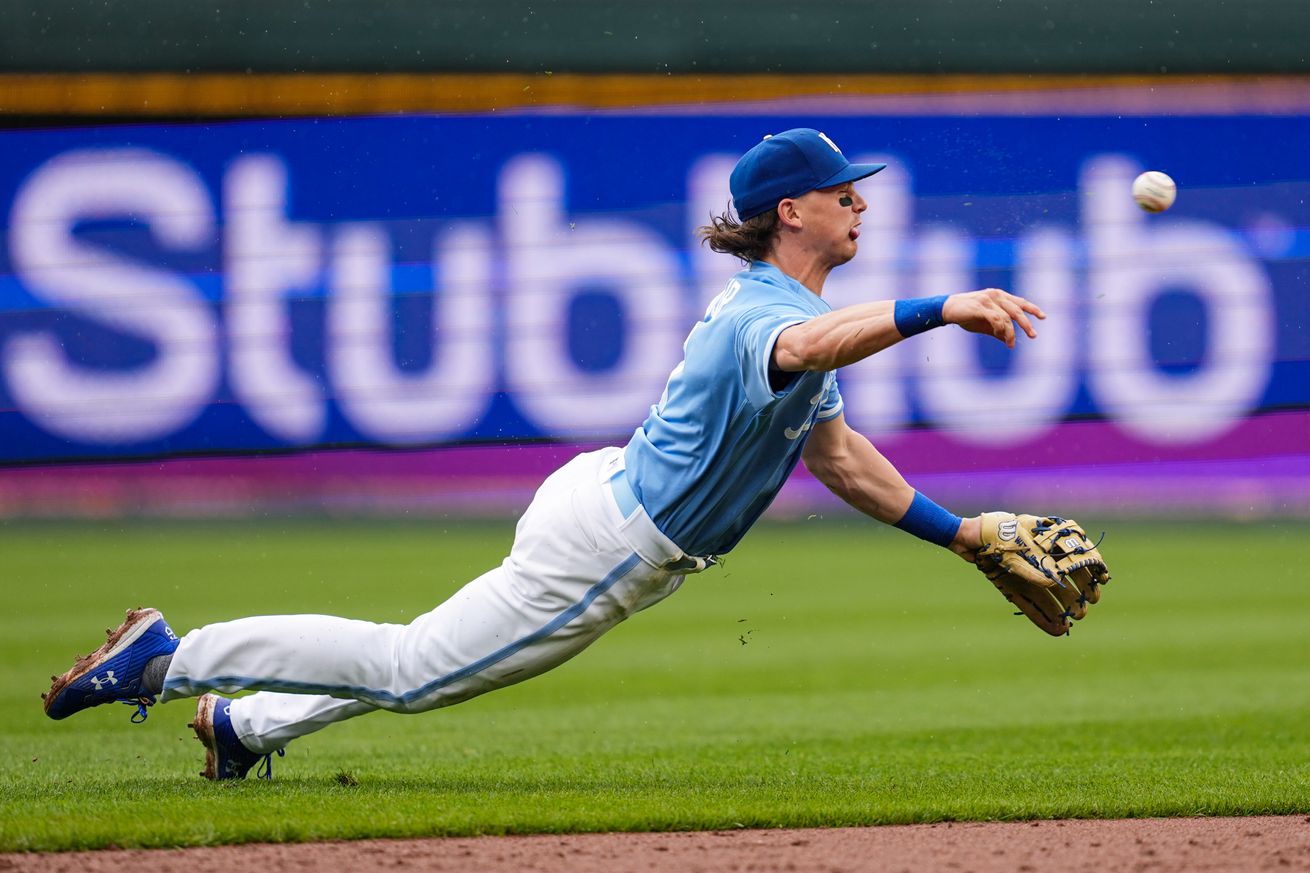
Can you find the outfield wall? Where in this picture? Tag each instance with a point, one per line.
(687, 36)
(489, 279)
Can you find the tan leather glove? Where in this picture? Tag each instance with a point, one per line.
(1045, 565)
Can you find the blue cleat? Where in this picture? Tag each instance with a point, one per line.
(225, 756)
(112, 673)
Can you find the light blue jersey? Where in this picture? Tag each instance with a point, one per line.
(713, 453)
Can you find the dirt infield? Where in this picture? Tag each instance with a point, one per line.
(1195, 845)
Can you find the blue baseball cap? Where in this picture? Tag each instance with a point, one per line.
(790, 164)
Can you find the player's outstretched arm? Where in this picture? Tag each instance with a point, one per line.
(853, 333)
(837, 338)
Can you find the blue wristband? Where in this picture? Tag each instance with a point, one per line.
(928, 521)
(918, 314)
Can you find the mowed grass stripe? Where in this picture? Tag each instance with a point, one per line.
(832, 674)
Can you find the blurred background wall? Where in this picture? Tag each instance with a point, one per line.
(599, 36)
(411, 256)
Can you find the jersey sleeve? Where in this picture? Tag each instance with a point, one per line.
(757, 332)
(832, 403)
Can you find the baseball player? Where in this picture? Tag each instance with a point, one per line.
(612, 531)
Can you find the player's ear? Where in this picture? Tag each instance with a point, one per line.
(788, 214)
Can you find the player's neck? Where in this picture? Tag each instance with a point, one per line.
(801, 266)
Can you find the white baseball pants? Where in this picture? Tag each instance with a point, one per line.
(577, 568)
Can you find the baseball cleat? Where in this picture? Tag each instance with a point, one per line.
(225, 756)
(112, 673)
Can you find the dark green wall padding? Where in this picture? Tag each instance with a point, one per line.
(680, 36)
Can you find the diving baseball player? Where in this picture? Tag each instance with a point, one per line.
(612, 531)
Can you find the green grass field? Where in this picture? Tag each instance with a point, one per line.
(833, 673)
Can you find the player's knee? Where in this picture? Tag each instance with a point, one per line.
(409, 707)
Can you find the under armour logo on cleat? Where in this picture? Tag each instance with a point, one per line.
(101, 683)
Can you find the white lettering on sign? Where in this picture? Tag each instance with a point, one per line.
(264, 258)
(1131, 264)
(549, 259)
(503, 310)
(1040, 382)
(112, 406)
(446, 398)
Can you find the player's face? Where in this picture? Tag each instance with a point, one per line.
(831, 221)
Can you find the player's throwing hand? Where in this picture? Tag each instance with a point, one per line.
(992, 311)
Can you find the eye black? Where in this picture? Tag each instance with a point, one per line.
(845, 200)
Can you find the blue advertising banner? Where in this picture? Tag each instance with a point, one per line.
(277, 285)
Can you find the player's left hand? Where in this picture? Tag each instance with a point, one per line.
(993, 312)
(1046, 566)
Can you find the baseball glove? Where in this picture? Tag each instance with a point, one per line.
(1045, 566)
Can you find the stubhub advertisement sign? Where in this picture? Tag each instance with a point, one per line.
(275, 285)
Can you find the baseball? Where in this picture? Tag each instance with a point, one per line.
(1154, 191)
